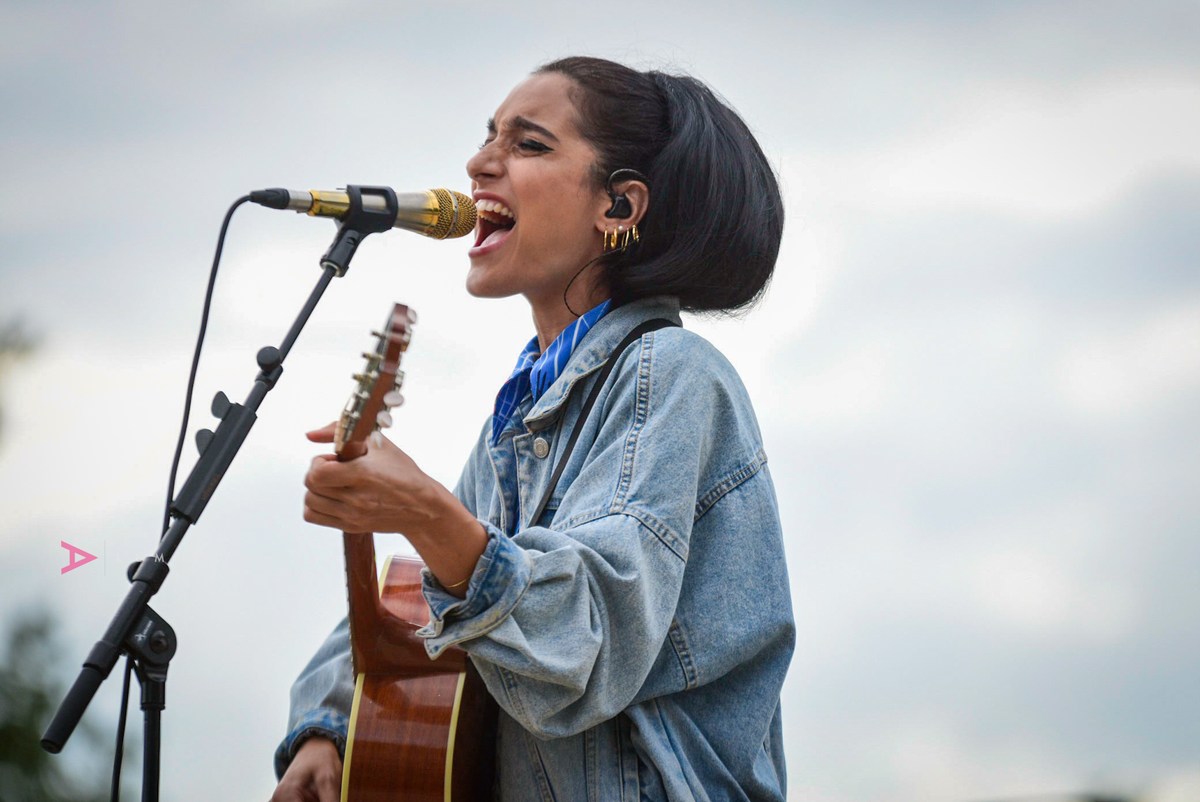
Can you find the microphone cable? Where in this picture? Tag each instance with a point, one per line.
(187, 403)
(115, 787)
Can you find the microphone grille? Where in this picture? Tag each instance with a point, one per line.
(456, 215)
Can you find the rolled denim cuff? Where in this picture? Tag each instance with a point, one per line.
(500, 578)
(324, 723)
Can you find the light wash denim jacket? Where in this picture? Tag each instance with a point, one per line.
(636, 638)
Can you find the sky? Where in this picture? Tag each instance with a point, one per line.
(976, 370)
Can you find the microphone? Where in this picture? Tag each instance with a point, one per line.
(437, 213)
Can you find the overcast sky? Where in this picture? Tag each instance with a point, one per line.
(977, 370)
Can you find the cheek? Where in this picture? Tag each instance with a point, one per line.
(569, 224)
(558, 243)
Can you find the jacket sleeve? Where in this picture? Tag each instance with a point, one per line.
(321, 698)
(565, 622)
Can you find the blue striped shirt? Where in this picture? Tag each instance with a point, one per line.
(535, 373)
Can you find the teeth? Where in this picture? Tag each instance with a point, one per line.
(495, 207)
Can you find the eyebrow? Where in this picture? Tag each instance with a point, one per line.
(522, 124)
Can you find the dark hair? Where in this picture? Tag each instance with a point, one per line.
(711, 232)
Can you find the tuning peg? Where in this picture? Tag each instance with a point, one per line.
(393, 398)
(383, 419)
(412, 317)
(220, 404)
(204, 436)
(372, 357)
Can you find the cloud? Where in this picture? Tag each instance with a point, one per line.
(984, 474)
(1132, 372)
(1026, 150)
(975, 371)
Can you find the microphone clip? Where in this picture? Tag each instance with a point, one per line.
(358, 223)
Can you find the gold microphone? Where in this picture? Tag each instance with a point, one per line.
(437, 213)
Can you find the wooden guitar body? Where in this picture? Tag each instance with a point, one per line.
(427, 735)
(420, 730)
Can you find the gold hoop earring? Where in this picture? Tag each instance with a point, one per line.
(612, 239)
(631, 238)
(621, 238)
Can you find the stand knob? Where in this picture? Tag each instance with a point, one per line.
(220, 404)
(269, 358)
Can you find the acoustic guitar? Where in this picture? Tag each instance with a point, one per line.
(420, 730)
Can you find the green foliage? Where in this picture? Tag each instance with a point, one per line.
(28, 698)
(15, 343)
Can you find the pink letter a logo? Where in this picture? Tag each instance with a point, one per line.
(78, 557)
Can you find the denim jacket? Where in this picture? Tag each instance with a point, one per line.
(636, 636)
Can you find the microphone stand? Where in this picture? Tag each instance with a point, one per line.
(136, 629)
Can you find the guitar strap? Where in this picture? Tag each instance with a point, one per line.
(636, 334)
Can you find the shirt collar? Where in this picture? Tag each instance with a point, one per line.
(592, 353)
(535, 373)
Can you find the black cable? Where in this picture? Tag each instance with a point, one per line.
(578, 273)
(115, 788)
(187, 404)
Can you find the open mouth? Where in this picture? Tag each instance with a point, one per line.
(495, 221)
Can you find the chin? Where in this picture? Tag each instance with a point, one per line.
(481, 283)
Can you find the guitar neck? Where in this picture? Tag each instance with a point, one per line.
(362, 590)
(381, 642)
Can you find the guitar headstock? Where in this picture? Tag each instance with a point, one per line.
(377, 387)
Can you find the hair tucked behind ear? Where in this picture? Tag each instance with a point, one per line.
(711, 232)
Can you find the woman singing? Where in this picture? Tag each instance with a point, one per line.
(636, 634)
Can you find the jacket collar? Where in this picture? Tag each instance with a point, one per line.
(591, 353)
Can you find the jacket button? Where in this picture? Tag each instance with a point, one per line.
(540, 448)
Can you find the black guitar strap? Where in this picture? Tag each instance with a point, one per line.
(636, 334)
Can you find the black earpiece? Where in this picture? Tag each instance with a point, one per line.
(621, 207)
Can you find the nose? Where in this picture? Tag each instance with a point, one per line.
(484, 164)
